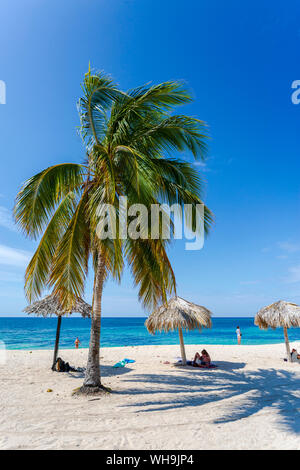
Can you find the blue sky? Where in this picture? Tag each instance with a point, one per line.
(239, 58)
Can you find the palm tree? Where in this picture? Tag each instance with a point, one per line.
(131, 141)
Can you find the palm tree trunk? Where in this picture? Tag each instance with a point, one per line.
(183, 355)
(287, 344)
(56, 341)
(92, 381)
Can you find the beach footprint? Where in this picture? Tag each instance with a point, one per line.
(3, 443)
(125, 443)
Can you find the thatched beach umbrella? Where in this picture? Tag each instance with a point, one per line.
(179, 314)
(279, 315)
(50, 305)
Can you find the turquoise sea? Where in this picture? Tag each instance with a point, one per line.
(39, 333)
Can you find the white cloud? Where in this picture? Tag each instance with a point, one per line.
(13, 256)
(6, 219)
(202, 166)
(198, 163)
(294, 274)
(289, 247)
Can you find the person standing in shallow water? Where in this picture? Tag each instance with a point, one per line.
(238, 334)
(77, 343)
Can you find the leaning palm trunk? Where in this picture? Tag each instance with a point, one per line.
(92, 381)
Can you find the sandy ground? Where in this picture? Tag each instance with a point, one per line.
(251, 401)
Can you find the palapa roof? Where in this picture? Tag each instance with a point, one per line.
(279, 314)
(176, 313)
(50, 305)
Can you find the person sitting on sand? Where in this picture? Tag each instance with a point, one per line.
(202, 361)
(295, 356)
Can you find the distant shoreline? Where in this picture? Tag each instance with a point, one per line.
(197, 345)
(157, 346)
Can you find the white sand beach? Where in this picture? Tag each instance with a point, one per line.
(251, 401)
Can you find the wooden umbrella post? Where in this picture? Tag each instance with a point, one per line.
(183, 356)
(56, 340)
(287, 344)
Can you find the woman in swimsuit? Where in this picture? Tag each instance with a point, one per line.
(202, 361)
(238, 334)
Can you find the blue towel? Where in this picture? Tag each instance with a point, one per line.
(120, 364)
(124, 362)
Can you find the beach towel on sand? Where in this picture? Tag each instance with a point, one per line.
(212, 366)
(124, 362)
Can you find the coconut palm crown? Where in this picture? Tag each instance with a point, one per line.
(132, 140)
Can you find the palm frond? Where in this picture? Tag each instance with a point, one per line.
(40, 194)
(99, 91)
(173, 134)
(179, 183)
(164, 96)
(70, 262)
(143, 105)
(151, 269)
(39, 267)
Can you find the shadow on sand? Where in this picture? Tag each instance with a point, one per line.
(106, 371)
(251, 391)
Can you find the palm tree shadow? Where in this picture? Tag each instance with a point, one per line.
(251, 391)
(269, 388)
(106, 371)
(224, 365)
